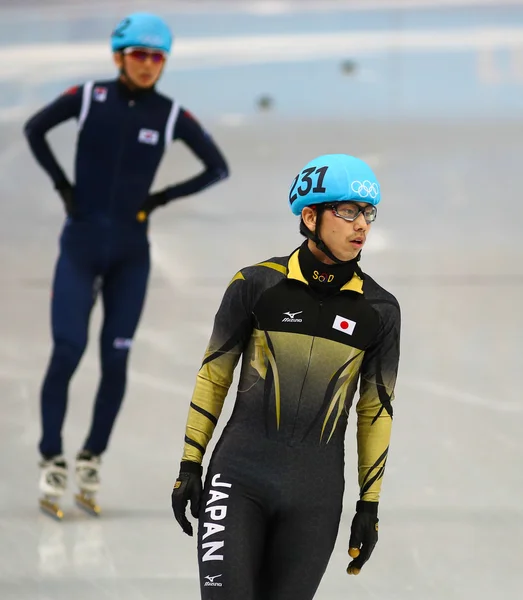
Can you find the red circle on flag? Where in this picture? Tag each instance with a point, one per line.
(344, 325)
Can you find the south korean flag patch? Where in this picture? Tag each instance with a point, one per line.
(100, 94)
(149, 136)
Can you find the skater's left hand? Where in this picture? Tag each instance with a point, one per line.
(363, 535)
(188, 486)
(153, 201)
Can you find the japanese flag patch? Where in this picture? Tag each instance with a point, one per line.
(344, 325)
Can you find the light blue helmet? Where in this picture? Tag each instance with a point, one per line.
(142, 29)
(334, 178)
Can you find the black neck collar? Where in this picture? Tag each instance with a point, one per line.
(133, 94)
(323, 277)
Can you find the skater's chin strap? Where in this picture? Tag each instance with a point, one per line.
(320, 244)
(129, 90)
(127, 83)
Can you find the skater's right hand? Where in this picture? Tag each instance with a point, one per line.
(188, 486)
(66, 192)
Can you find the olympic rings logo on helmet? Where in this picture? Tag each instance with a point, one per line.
(365, 189)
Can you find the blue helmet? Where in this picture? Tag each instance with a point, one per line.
(334, 178)
(142, 29)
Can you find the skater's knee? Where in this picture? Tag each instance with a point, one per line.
(114, 362)
(67, 355)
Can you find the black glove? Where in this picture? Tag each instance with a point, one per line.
(66, 191)
(153, 201)
(363, 535)
(188, 486)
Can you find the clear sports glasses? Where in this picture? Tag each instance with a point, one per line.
(349, 211)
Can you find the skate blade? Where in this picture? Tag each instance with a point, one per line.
(51, 508)
(88, 504)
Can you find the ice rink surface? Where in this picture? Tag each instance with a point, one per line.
(442, 124)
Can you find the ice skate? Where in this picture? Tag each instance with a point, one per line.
(53, 483)
(88, 481)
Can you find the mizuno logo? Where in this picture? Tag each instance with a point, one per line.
(291, 317)
(210, 581)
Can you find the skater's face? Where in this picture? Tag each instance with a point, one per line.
(141, 67)
(345, 239)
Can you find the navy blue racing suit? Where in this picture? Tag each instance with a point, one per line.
(122, 137)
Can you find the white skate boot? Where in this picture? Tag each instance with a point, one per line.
(88, 480)
(53, 483)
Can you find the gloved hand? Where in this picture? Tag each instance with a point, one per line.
(153, 201)
(363, 535)
(66, 192)
(188, 486)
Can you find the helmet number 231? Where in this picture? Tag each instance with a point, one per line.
(305, 178)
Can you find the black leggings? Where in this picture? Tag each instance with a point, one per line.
(266, 542)
(124, 269)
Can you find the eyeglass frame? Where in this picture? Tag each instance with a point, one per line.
(148, 51)
(332, 206)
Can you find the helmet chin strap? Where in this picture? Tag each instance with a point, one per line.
(320, 244)
(123, 73)
(124, 76)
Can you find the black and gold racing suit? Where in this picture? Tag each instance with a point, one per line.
(274, 488)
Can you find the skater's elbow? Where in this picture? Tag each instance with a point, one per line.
(36, 127)
(222, 172)
(220, 169)
(31, 130)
